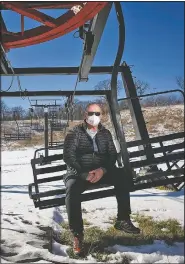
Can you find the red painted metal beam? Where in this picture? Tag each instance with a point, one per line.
(46, 5)
(31, 13)
(68, 22)
(51, 5)
(22, 25)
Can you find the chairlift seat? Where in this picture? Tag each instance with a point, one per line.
(169, 155)
(24, 124)
(57, 126)
(16, 136)
(37, 127)
(55, 143)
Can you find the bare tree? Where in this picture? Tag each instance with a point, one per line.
(162, 100)
(78, 109)
(39, 112)
(4, 110)
(180, 82)
(141, 86)
(106, 85)
(123, 105)
(27, 114)
(19, 112)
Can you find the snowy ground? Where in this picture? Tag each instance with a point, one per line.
(23, 227)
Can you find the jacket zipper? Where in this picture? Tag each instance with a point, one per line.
(93, 155)
(93, 158)
(96, 140)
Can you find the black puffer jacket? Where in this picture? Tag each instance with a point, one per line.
(79, 154)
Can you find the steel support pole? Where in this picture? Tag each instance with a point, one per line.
(135, 108)
(31, 121)
(51, 136)
(46, 131)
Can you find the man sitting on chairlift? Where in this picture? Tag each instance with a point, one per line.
(90, 155)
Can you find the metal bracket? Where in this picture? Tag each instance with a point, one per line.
(89, 40)
(92, 39)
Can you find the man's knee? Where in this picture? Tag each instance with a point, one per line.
(74, 187)
(71, 185)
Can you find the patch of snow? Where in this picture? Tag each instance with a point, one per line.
(164, 229)
(158, 252)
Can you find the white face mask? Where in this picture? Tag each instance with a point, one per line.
(93, 120)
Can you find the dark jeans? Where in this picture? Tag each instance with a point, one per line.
(76, 185)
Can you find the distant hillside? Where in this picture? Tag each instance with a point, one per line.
(161, 120)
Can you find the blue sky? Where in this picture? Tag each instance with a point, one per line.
(154, 45)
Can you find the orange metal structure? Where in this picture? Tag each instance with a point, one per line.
(77, 14)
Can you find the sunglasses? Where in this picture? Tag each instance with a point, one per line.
(92, 113)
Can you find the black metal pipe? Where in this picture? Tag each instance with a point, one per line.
(51, 135)
(115, 113)
(56, 70)
(138, 121)
(145, 95)
(53, 93)
(49, 105)
(46, 133)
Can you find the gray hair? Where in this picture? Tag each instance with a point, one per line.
(93, 103)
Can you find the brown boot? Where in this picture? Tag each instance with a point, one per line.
(78, 244)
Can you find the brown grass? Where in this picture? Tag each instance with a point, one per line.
(170, 118)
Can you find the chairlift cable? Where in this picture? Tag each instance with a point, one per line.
(67, 105)
(71, 103)
(73, 95)
(13, 76)
(10, 86)
(12, 79)
(20, 88)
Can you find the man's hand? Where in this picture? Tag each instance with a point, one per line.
(95, 175)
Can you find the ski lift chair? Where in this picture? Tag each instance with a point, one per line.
(169, 159)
